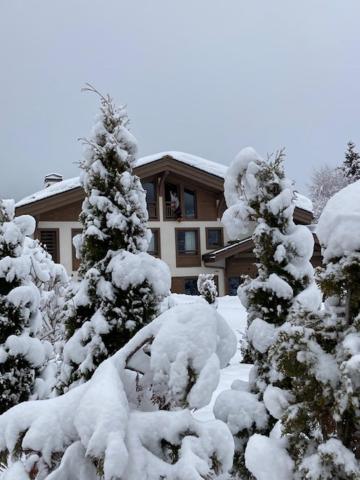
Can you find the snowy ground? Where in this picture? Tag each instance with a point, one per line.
(235, 314)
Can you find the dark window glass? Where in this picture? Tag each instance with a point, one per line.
(187, 242)
(154, 243)
(214, 237)
(233, 284)
(190, 286)
(150, 189)
(189, 204)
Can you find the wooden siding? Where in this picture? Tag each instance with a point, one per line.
(66, 213)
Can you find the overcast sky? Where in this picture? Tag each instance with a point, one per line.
(206, 77)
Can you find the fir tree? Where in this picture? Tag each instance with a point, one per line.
(120, 284)
(351, 165)
(22, 355)
(319, 350)
(257, 192)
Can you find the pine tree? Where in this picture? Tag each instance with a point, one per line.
(351, 165)
(320, 350)
(257, 192)
(207, 287)
(120, 284)
(22, 355)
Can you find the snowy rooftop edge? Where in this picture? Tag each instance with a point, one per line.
(208, 166)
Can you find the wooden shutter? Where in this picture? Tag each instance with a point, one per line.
(50, 239)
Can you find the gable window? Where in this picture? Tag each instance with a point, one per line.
(75, 261)
(151, 198)
(154, 245)
(50, 239)
(189, 204)
(214, 238)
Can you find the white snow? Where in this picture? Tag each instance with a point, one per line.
(339, 225)
(267, 460)
(261, 334)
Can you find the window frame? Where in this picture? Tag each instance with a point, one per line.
(57, 241)
(156, 234)
(188, 259)
(156, 203)
(193, 192)
(221, 244)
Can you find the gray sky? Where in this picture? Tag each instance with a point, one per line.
(201, 76)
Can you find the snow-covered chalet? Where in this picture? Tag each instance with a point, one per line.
(185, 200)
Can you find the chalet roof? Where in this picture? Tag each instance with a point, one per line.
(246, 245)
(209, 167)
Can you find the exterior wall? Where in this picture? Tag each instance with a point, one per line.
(167, 243)
(65, 240)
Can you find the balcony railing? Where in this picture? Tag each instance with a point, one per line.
(169, 210)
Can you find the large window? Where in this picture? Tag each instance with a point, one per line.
(172, 201)
(214, 238)
(151, 198)
(189, 204)
(50, 239)
(187, 242)
(233, 285)
(154, 245)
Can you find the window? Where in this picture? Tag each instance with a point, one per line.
(151, 198)
(172, 201)
(214, 238)
(154, 245)
(190, 286)
(187, 242)
(189, 204)
(50, 239)
(75, 261)
(233, 285)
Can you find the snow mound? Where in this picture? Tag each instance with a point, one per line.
(340, 217)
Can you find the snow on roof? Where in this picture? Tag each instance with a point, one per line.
(303, 202)
(214, 168)
(338, 228)
(54, 189)
(208, 166)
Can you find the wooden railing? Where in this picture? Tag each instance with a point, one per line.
(152, 209)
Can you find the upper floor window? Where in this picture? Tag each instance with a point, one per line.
(214, 238)
(189, 204)
(172, 201)
(151, 198)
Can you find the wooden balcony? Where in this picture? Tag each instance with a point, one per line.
(152, 210)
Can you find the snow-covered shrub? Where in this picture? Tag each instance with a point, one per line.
(22, 355)
(258, 194)
(131, 420)
(207, 287)
(121, 286)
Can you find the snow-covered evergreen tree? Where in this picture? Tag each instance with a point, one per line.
(121, 285)
(351, 165)
(207, 287)
(132, 419)
(319, 350)
(22, 355)
(325, 182)
(258, 194)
